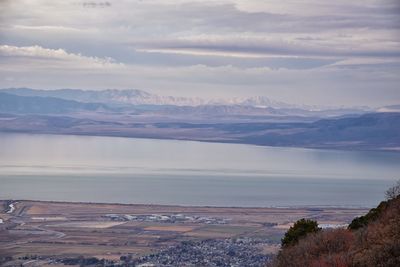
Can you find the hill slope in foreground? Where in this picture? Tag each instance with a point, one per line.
(371, 240)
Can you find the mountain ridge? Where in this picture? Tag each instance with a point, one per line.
(140, 97)
(10, 103)
(375, 131)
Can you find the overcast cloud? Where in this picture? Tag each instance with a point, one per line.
(309, 51)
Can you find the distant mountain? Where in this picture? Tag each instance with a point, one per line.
(109, 96)
(376, 131)
(392, 108)
(262, 101)
(26, 103)
(139, 97)
(369, 131)
(220, 110)
(44, 105)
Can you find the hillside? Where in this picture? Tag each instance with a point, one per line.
(365, 131)
(377, 243)
(14, 104)
(377, 131)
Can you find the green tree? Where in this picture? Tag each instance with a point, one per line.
(300, 229)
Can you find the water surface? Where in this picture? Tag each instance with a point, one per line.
(127, 170)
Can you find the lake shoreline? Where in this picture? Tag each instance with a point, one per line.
(328, 147)
(154, 205)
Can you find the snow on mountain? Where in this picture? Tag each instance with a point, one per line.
(114, 96)
(392, 108)
(139, 97)
(263, 102)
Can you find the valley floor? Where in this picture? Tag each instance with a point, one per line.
(36, 233)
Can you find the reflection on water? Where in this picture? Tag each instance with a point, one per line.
(109, 169)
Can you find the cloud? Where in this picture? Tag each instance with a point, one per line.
(259, 46)
(285, 49)
(55, 68)
(94, 4)
(319, 8)
(46, 28)
(36, 54)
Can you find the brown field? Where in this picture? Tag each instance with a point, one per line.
(58, 230)
(170, 228)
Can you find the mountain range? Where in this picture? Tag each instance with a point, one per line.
(140, 101)
(259, 121)
(139, 97)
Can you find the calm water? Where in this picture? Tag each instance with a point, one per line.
(109, 169)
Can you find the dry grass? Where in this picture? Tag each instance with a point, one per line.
(375, 245)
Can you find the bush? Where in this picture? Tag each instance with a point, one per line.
(300, 229)
(324, 248)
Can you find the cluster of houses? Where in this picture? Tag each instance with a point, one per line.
(171, 218)
(228, 252)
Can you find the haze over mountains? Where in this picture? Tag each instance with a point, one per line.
(258, 120)
(132, 98)
(139, 97)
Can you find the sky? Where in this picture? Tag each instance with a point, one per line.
(299, 51)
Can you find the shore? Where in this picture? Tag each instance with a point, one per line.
(53, 231)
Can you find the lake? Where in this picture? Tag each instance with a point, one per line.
(148, 171)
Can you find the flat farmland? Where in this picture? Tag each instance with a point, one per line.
(37, 233)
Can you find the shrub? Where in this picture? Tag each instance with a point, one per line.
(324, 248)
(300, 229)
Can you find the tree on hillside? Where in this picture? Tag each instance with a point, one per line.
(300, 229)
(372, 215)
(394, 191)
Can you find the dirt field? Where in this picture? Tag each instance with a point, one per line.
(54, 230)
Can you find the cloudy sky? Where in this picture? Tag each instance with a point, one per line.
(300, 51)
